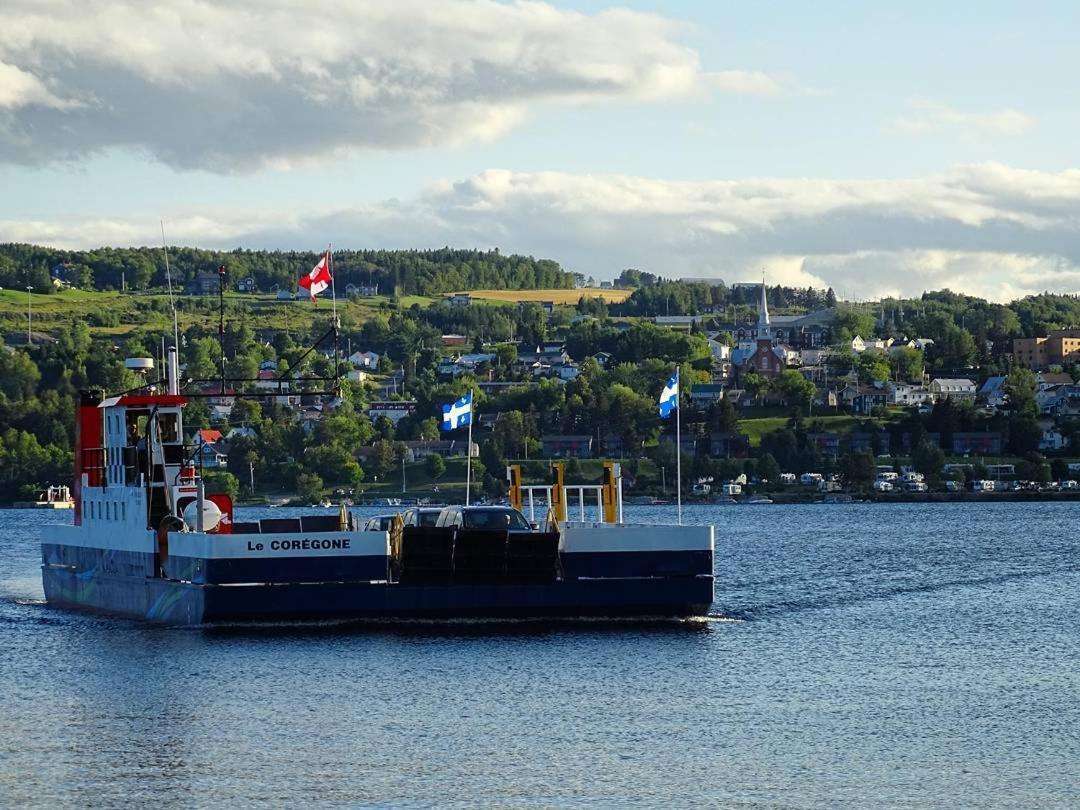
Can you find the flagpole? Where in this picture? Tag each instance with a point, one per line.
(678, 448)
(468, 452)
(333, 287)
(333, 298)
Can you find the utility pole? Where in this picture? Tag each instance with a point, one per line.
(29, 317)
(403, 474)
(251, 474)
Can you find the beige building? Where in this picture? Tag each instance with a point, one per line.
(1060, 348)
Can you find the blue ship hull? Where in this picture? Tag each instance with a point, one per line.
(193, 590)
(175, 602)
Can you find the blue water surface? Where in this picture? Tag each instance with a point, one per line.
(858, 656)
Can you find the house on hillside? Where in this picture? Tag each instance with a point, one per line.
(212, 450)
(977, 443)
(459, 299)
(567, 446)
(724, 444)
(907, 394)
(705, 394)
(952, 388)
(604, 360)
(204, 284)
(678, 321)
(1048, 379)
(367, 360)
(865, 442)
(415, 450)
(828, 444)
(992, 392)
(862, 399)
(246, 285)
(361, 290)
(394, 410)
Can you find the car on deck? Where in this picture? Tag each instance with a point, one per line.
(496, 518)
(422, 516)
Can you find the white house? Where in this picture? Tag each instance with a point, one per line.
(906, 394)
(368, 360)
(1052, 440)
(858, 345)
(952, 388)
(878, 344)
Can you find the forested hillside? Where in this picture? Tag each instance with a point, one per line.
(401, 272)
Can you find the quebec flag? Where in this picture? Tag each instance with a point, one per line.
(457, 414)
(669, 397)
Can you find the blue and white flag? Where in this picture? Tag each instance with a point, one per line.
(669, 397)
(457, 414)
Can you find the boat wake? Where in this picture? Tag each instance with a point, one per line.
(536, 624)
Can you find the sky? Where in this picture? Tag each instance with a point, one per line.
(877, 148)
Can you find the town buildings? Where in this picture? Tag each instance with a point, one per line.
(1060, 347)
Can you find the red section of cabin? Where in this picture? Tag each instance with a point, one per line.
(88, 436)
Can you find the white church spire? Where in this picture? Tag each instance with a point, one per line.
(764, 329)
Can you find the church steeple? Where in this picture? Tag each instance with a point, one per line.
(764, 330)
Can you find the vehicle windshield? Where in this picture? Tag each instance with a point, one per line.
(495, 519)
(428, 517)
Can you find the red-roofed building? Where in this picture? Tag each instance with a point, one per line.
(209, 436)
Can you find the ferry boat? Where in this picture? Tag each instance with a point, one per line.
(148, 542)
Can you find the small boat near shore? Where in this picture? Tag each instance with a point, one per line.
(54, 497)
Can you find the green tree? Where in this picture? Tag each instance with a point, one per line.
(873, 367)
(757, 385)
(19, 375)
(434, 465)
(309, 487)
(928, 459)
(768, 469)
(793, 388)
(859, 469)
(1024, 435)
(220, 481)
(1020, 393)
(384, 457)
(908, 362)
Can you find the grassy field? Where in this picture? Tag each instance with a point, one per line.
(141, 312)
(556, 296)
(756, 427)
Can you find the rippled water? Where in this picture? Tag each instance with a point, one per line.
(865, 656)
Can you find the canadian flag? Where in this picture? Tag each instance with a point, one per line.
(319, 278)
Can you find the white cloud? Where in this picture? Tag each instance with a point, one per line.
(750, 82)
(986, 229)
(20, 89)
(232, 86)
(927, 115)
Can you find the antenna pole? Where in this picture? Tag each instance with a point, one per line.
(168, 279)
(221, 323)
(333, 298)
